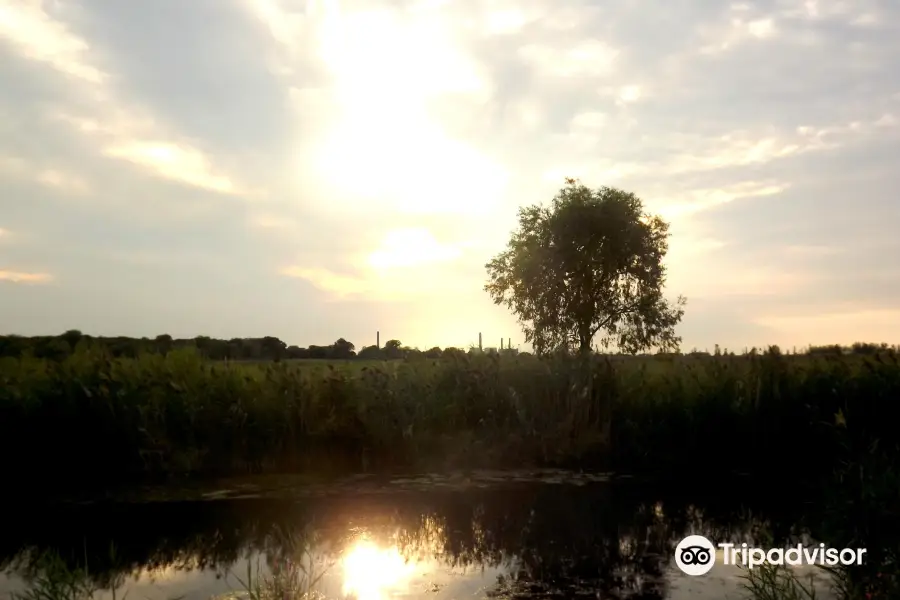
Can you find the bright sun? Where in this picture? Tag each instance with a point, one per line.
(370, 572)
(386, 147)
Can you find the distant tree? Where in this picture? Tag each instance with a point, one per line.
(370, 353)
(72, 337)
(296, 353)
(319, 352)
(163, 343)
(393, 349)
(343, 349)
(236, 349)
(868, 349)
(272, 348)
(831, 350)
(452, 352)
(589, 264)
(433, 353)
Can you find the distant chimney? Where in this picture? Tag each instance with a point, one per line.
(479, 340)
(378, 340)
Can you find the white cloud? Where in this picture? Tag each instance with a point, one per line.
(500, 22)
(629, 94)
(124, 131)
(692, 154)
(409, 263)
(590, 120)
(28, 27)
(171, 161)
(699, 200)
(720, 38)
(589, 58)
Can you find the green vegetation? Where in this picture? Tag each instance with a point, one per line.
(97, 418)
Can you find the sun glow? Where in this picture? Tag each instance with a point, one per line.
(387, 147)
(372, 573)
(410, 247)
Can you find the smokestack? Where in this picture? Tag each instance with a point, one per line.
(509, 343)
(479, 340)
(378, 340)
(501, 343)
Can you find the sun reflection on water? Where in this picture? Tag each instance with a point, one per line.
(372, 573)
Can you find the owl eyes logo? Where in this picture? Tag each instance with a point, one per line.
(695, 555)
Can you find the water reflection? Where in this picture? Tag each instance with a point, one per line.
(373, 573)
(509, 541)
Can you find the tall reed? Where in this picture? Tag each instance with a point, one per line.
(92, 418)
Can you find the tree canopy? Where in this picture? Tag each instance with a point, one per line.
(589, 265)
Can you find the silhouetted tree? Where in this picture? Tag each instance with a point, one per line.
(370, 353)
(393, 349)
(343, 349)
(589, 264)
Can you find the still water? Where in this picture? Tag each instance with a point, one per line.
(543, 534)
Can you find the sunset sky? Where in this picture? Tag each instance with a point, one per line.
(322, 169)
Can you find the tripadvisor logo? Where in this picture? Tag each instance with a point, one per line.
(696, 555)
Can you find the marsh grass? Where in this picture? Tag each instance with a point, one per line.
(94, 419)
(776, 582)
(858, 509)
(287, 580)
(48, 576)
(53, 579)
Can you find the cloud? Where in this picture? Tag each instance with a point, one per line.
(379, 153)
(124, 131)
(406, 264)
(585, 59)
(23, 277)
(740, 31)
(51, 177)
(699, 200)
(185, 165)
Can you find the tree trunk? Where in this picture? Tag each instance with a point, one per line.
(599, 413)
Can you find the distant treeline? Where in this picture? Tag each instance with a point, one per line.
(58, 347)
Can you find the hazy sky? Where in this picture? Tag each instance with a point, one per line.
(318, 169)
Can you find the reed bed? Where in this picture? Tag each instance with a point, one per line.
(93, 418)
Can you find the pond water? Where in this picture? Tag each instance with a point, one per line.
(543, 534)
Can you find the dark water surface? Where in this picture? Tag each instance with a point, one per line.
(479, 535)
